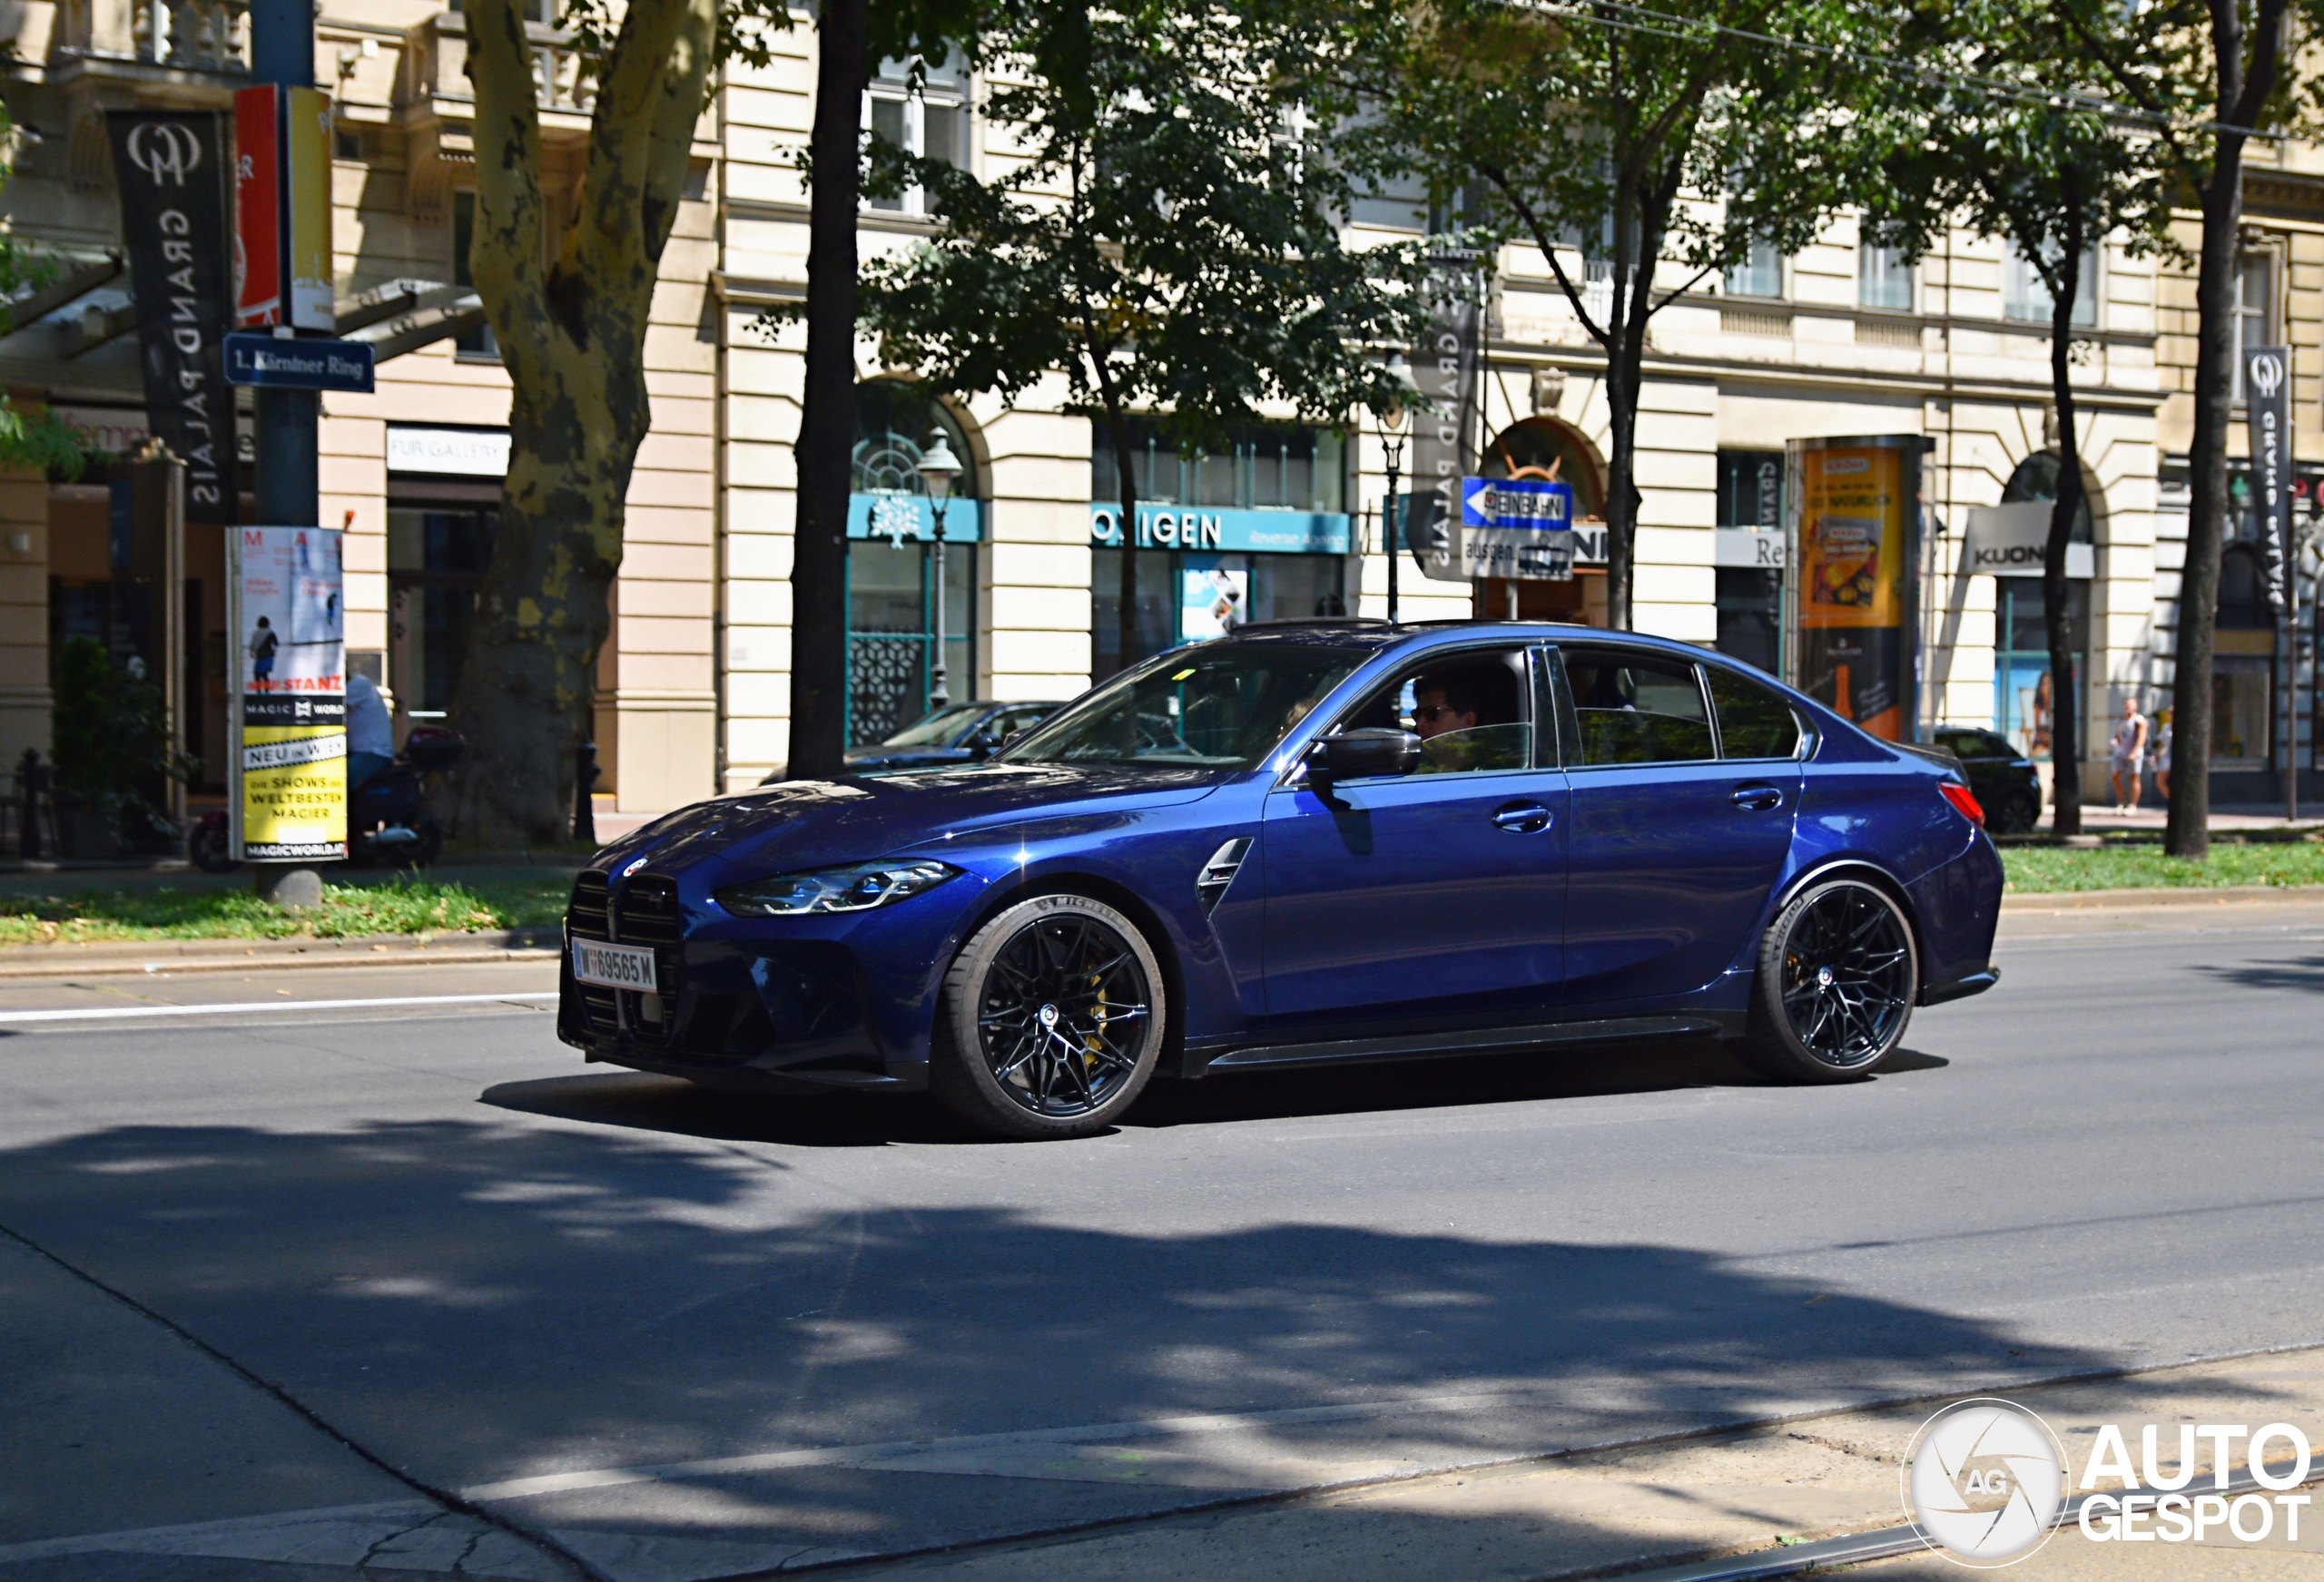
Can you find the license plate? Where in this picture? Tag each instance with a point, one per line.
(615, 965)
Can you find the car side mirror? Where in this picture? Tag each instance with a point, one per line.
(981, 746)
(1359, 755)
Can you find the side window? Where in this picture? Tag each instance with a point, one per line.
(1753, 722)
(1636, 708)
(1009, 723)
(1471, 711)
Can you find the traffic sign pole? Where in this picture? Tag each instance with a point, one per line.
(288, 489)
(288, 480)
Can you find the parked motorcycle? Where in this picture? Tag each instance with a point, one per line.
(388, 820)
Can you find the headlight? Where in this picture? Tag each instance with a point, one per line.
(855, 888)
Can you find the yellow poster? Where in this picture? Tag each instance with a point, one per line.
(308, 198)
(294, 791)
(1852, 538)
(1854, 596)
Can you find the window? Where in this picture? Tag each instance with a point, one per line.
(477, 343)
(2255, 295)
(1469, 710)
(1753, 722)
(2025, 296)
(1261, 468)
(1217, 709)
(932, 122)
(1760, 274)
(1636, 708)
(1883, 278)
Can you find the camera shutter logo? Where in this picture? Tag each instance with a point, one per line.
(1985, 1482)
(166, 151)
(2267, 376)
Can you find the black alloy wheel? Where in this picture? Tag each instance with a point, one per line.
(1054, 1017)
(1839, 974)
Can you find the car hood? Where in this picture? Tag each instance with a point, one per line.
(804, 823)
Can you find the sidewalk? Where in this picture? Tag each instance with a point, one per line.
(1659, 1505)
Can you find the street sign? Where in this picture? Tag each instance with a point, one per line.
(1517, 527)
(298, 365)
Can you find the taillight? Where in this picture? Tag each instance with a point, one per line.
(1963, 801)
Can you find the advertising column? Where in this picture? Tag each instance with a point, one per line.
(290, 763)
(1854, 544)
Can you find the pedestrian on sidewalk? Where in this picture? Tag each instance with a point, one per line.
(2162, 756)
(2129, 753)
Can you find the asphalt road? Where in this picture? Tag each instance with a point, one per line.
(271, 1279)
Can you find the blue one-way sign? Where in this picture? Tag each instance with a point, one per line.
(298, 365)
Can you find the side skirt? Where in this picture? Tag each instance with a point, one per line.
(1475, 1041)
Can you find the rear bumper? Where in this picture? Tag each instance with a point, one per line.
(1961, 987)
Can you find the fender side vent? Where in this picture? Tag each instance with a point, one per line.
(1219, 872)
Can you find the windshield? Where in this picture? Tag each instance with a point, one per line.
(1222, 707)
(936, 729)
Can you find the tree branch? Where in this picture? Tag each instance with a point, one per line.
(508, 136)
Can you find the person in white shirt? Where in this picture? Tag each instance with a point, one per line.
(370, 740)
(2130, 755)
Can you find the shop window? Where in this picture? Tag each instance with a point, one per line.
(1184, 597)
(930, 118)
(1750, 598)
(2024, 693)
(2025, 295)
(2243, 673)
(478, 342)
(1258, 468)
(437, 558)
(891, 581)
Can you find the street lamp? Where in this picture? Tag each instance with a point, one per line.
(1395, 422)
(937, 467)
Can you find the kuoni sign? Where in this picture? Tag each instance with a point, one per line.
(289, 767)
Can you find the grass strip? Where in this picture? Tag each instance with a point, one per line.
(2040, 870)
(389, 906)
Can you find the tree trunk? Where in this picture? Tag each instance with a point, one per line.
(827, 427)
(1117, 436)
(2066, 681)
(573, 335)
(1622, 380)
(2188, 830)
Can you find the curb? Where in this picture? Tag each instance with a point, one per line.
(2070, 900)
(17, 961)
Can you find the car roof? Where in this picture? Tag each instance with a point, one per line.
(1340, 632)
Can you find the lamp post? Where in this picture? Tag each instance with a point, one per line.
(937, 467)
(1395, 422)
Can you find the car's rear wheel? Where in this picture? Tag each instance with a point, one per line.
(1053, 1017)
(2013, 814)
(1838, 973)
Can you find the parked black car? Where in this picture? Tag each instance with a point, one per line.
(1999, 777)
(964, 732)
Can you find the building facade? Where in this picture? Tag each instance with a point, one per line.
(1841, 339)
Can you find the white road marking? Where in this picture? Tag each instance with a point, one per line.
(107, 1013)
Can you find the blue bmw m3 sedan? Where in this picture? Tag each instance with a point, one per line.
(1306, 843)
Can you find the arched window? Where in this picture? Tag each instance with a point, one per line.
(2023, 695)
(2036, 478)
(898, 586)
(895, 422)
(1537, 445)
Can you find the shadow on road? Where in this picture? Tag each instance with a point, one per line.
(659, 1104)
(2305, 974)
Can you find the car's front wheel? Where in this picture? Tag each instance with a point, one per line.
(1837, 977)
(1053, 1017)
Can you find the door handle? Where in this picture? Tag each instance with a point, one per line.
(1758, 798)
(1521, 818)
